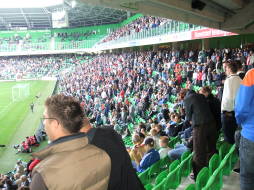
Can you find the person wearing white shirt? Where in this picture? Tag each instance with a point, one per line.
(231, 86)
(164, 149)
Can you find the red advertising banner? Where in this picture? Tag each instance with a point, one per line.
(209, 33)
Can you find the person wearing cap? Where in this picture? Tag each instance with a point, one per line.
(151, 155)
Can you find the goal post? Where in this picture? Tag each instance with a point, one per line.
(20, 92)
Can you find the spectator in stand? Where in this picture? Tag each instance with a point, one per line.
(244, 116)
(138, 150)
(215, 105)
(204, 128)
(164, 149)
(250, 60)
(63, 118)
(122, 175)
(240, 70)
(151, 155)
(231, 86)
(139, 25)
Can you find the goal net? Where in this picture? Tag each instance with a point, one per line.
(20, 92)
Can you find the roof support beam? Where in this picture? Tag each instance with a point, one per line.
(242, 19)
(185, 6)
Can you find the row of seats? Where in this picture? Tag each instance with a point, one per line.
(210, 178)
(165, 174)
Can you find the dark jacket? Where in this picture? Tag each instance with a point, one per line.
(197, 109)
(215, 106)
(122, 176)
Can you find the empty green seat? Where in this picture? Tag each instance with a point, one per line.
(173, 179)
(148, 186)
(154, 169)
(228, 161)
(161, 176)
(185, 155)
(144, 178)
(160, 186)
(202, 178)
(165, 162)
(186, 166)
(224, 149)
(215, 181)
(174, 165)
(191, 187)
(214, 163)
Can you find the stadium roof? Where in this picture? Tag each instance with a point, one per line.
(229, 15)
(41, 18)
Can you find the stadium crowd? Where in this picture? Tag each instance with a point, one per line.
(174, 93)
(36, 66)
(139, 25)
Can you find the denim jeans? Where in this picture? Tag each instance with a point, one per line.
(246, 164)
(177, 152)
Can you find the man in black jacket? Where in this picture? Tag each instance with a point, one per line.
(215, 105)
(204, 130)
(122, 176)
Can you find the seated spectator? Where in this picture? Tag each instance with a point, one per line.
(160, 130)
(178, 151)
(19, 168)
(175, 126)
(150, 157)
(156, 138)
(138, 150)
(164, 149)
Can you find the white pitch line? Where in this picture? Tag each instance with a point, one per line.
(5, 109)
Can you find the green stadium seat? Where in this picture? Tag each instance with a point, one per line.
(185, 155)
(224, 149)
(215, 181)
(202, 178)
(173, 179)
(165, 162)
(148, 186)
(191, 187)
(154, 169)
(144, 177)
(174, 165)
(228, 161)
(214, 163)
(160, 186)
(161, 176)
(173, 142)
(186, 166)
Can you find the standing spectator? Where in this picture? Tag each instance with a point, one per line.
(231, 86)
(204, 130)
(69, 153)
(215, 105)
(122, 174)
(240, 70)
(244, 114)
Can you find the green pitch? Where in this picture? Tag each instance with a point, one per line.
(16, 119)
